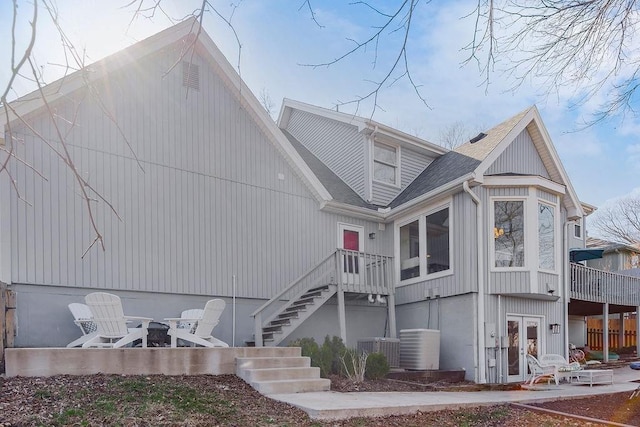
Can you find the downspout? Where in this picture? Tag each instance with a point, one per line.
(481, 373)
(567, 287)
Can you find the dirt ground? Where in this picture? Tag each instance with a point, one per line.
(225, 400)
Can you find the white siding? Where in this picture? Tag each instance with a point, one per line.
(519, 157)
(338, 145)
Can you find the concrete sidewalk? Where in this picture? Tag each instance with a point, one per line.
(330, 405)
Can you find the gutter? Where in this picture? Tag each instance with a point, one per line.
(481, 376)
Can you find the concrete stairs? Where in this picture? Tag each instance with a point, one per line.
(277, 375)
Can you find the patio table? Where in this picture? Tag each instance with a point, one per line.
(594, 376)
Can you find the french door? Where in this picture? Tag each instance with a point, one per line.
(351, 238)
(524, 335)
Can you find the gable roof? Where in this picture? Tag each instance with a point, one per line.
(183, 33)
(488, 149)
(608, 246)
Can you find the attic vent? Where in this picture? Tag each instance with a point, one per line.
(190, 75)
(477, 138)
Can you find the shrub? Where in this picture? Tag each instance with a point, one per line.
(377, 366)
(335, 349)
(309, 349)
(327, 357)
(354, 364)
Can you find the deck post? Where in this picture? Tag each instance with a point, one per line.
(257, 328)
(342, 315)
(621, 332)
(605, 332)
(391, 307)
(637, 329)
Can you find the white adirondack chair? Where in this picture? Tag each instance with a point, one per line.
(113, 331)
(204, 324)
(83, 318)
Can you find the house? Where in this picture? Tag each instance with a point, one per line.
(615, 256)
(323, 223)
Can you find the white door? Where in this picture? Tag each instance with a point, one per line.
(524, 338)
(351, 238)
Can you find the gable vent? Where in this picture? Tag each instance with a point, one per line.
(190, 75)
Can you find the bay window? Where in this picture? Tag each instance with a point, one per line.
(508, 232)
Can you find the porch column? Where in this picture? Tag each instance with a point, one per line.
(621, 332)
(605, 332)
(342, 316)
(391, 309)
(637, 330)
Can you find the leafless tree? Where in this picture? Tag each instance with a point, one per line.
(620, 221)
(457, 133)
(267, 103)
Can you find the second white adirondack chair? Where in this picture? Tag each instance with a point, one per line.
(83, 318)
(206, 321)
(113, 331)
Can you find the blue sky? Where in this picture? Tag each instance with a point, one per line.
(277, 36)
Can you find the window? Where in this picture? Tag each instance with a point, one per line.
(409, 250)
(438, 241)
(425, 245)
(546, 237)
(577, 230)
(385, 163)
(508, 232)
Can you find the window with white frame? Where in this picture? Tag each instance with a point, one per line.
(508, 233)
(385, 163)
(425, 244)
(546, 237)
(577, 229)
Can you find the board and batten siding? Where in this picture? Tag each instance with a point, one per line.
(213, 199)
(464, 259)
(338, 145)
(519, 157)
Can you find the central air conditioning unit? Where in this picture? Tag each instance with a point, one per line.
(390, 347)
(420, 349)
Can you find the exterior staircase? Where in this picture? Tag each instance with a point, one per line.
(276, 375)
(291, 315)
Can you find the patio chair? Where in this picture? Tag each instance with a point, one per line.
(83, 318)
(564, 369)
(204, 324)
(538, 371)
(113, 331)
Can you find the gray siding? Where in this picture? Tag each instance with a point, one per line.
(411, 164)
(519, 157)
(208, 206)
(338, 145)
(382, 194)
(464, 260)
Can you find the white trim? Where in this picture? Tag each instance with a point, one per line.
(396, 166)
(578, 223)
(556, 228)
(342, 226)
(5, 228)
(421, 217)
(492, 240)
(524, 181)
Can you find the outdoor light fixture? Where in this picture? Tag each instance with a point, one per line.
(554, 328)
(372, 235)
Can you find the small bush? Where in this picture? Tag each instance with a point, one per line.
(327, 357)
(377, 366)
(309, 349)
(336, 349)
(354, 364)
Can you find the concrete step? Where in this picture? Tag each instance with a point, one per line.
(272, 362)
(274, 374)
(292, 386)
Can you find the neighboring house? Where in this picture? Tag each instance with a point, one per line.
(615, 256)
(394, 232)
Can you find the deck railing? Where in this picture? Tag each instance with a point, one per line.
(351, 271)
(590, 284)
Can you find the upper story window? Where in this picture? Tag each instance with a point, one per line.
(508, 232)
(577, 229)
(385, 163)
(425, 244)
(546, 237)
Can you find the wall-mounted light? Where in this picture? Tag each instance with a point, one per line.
(372, 235)
(554, 328)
